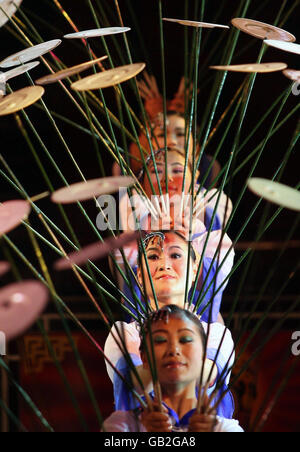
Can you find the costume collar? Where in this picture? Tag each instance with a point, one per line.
(178, 424)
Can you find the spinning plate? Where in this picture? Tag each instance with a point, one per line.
(97, 33)
(292, 74)
(20, 305)
(275, 192)
(30, 54)
(12, 213)
(20, 70)
(9, 8)
(290, 47)
(109, 78)
(4, 267)
(192, 23)
(83, 191)
(262, 30)
(260, 68)
(68, 72)
(20, 99)
(96, 250)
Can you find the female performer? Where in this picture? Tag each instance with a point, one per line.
(177, 339)
(207, 216)
(172, 271)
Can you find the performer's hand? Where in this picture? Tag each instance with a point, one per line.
(178, 217)
(202, 422)
(155, 421)
(150, 94)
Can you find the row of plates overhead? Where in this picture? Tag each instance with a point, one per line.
(22, 303)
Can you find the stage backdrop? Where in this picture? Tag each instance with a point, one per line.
(41, 380)
(256, 392)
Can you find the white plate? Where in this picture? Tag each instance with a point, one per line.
(290, 47)
(275, 192)
(82, 191)
(20, 306)
(68, 72)
(292, 74)
(10, 7)
(97, 33)
(12, 213)
(109, 78)
(4, 267)
(255, 67)
(20, 70)
(30, 54)
(261, 30)
(96, 250)
(192, 23)
(20, 99)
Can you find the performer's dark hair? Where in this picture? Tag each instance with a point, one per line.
(161, 151)
(173, 231)
(165, 313)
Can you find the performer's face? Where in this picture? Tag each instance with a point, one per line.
(167, 261)
(175, 175)
(176, 133)
(178, 349)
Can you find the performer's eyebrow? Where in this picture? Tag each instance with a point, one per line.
(158, 163)
(161, 330)
(158, 248)
(186, 329)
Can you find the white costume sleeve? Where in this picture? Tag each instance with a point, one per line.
(126, 421)
(218, 334)
(111, 348)
(224, 257)
(227, 426)
(123, 421)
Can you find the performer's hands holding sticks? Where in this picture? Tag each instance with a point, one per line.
(156, 418)
(201, 420)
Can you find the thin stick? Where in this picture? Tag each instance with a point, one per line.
(201, 397)
(158, 394)
(43, 195)
(149, 401)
